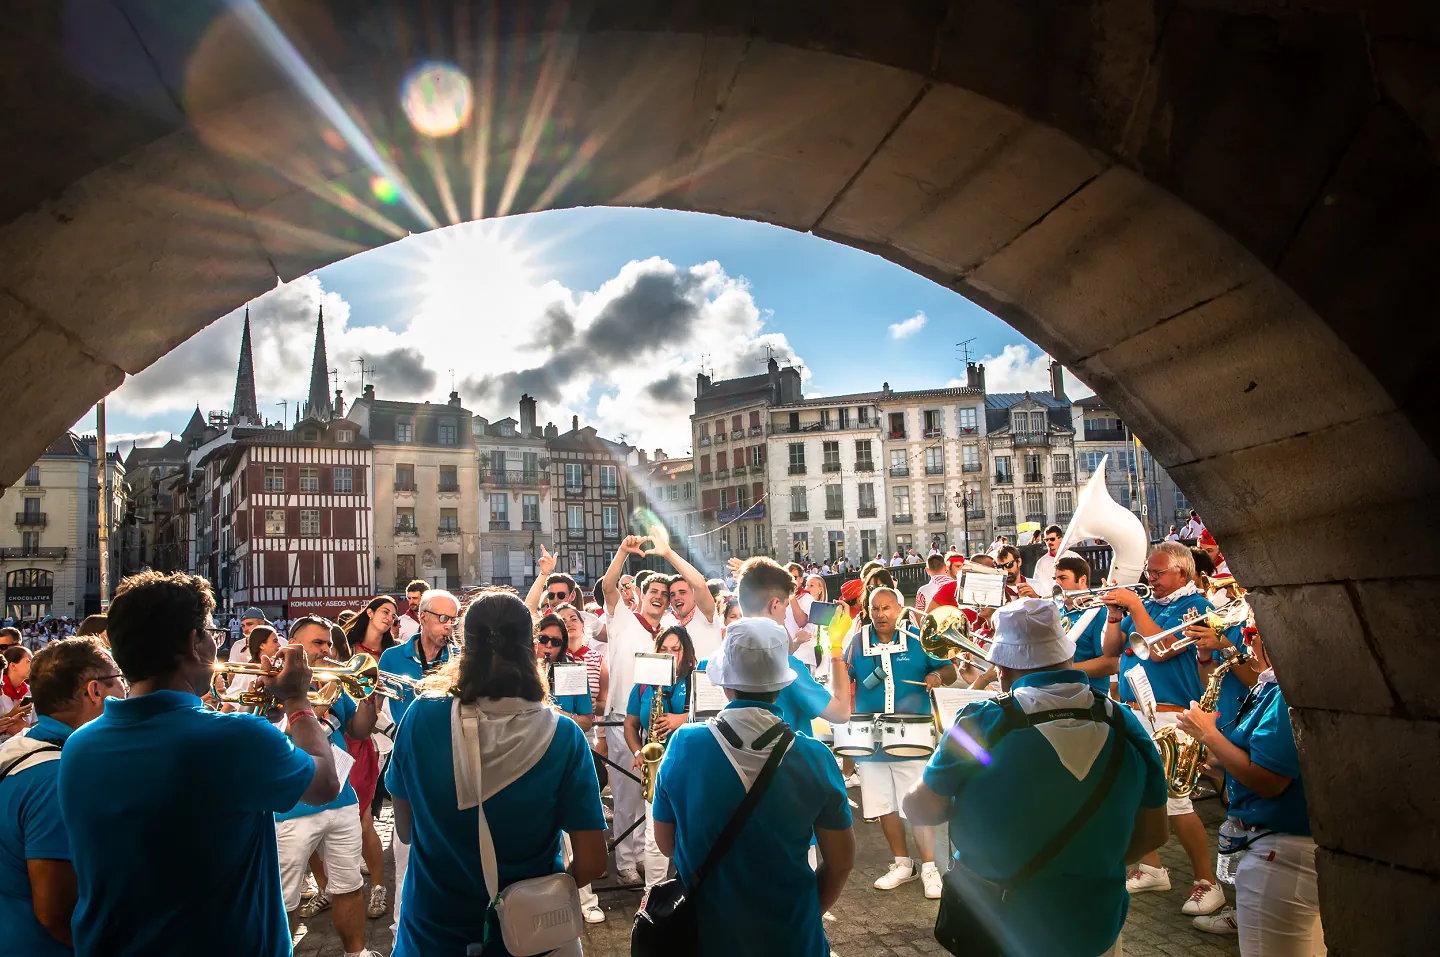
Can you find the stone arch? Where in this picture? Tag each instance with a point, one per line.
(1119, 179)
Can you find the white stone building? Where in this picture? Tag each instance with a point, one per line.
(517, 514)
(1031, 442)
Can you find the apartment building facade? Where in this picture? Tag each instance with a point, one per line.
(1031, 442)
(591, 479)
(1100, 433)
(517, 508)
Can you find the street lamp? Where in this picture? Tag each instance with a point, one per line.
(962, 501)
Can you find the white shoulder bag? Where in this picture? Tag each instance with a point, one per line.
(536, 915)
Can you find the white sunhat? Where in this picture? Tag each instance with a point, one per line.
(755, 656)
(1029, 634)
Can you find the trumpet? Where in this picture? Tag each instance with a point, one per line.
(1228, 616)
(943, 632)
(1085, 597)
(359, 678)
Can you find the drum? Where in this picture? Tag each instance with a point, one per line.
(821, 731)
(906, 735)
(856, 737)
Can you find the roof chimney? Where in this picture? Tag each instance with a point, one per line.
(1057, 379)
(551, 432)
(980, 376)
(369, 391)
(972, 376)
(527, 415)
(339, 404)
(702, 384)
(574, 423)
(455, 399)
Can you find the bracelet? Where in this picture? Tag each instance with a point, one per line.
(1114, 621)
(302, 713)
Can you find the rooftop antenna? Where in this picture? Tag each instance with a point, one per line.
(705, 369)
(452, 380)
(284, 411)
(769, 354)
(964, 348)
(361, 363)
(335, 380)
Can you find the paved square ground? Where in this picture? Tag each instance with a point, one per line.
(867, 921)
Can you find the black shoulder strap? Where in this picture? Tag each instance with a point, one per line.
(747, 806)
(42, 749)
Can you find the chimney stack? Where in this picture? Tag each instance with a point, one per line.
(527, 415)
(551, 432)
(574, 423)
(455, 399)
(702, 384)
(1057, 379)
(369, 391)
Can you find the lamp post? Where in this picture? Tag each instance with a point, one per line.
(962, 501)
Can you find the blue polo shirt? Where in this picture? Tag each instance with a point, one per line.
(339, 719)
(910, 666)
(1263, 729)
(674, 700)
(444, 885)
(1088, 643)
(1177, 680)
(761, 899)
(32, 830)
(1076, 905)
(802, 700)
(160, 791)
(408, 659)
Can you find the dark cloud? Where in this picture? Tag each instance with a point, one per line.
(674, 388)
(399, 374)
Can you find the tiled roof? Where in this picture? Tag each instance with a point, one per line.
(851, 398)
(1004, 400)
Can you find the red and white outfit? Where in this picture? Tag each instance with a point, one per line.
(10, 698)
(630, 634)
(409, 624)
(704, 634)
(927, 590)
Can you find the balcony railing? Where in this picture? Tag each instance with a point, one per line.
(722, 474)
(574, 491)
(1004, 478)
(706, 476)
(970, 467)
(932, 433)
(737, 433)
(704, 441)
(865, 511)
(1005, 520)
(1104, 435)
(864, 465)
(499, 525)
(797, 469)
(935, 517)
(834, 513)
(530, 526)
(757, 469)
(611, 533)
(899, 471)
(974, 513)
(610, 491)
(1063, 478)
(57, 554)
(448, 530)
(513, 477)
(1035, 517)
(757, 430)
(1063, 518)
(1034, 478)
(799, 516)
(1031, 438)
(830, 467)
(893, 434)
(935, 469)
(32, 519)
(720, 437)
(904, 519)
(405, 528)
(450, 487)
(405, 486)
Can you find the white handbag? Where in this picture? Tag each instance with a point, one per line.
(536, 915)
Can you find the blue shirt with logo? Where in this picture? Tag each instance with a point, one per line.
(1176, 680)
(337, 720)
(1088, 643)
(160, 791)
(674, 700)
(761, 898)
(909, 669)
(1074, 906)
(408, 659)
(1263, 729)
(31, 829)
(444, 885)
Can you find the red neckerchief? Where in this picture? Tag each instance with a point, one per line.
(688, 618)
(654, 629)
(1013, 591)
(12, 692)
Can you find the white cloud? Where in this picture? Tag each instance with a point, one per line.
(1021, 368)
(908, 328)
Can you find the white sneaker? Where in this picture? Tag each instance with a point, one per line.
(930, 877)
(1220, 922)
(627, 875)
(1205, 898)
(900, 872)
(310, 889)
(378, 904)
(593, 915)
(853, 781)
(1143, 878)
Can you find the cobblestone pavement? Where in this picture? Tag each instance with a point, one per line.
(870, 922)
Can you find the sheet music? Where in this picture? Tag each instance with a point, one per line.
(949, 701)
(706, 697)
(983, 590)
(571, 679)
(653, 669)
(1144, 695)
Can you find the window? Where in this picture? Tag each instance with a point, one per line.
(845, 418)
(1037, 421)
(933, 425)
(497, 462)
(1003, 469)
(1060, 467)
(574, 476)
(449, 521)
(32, 475)
(800, 544)
(899, 463)
(500, 507)
(344, 436)
(610, 520)
(826, 422)
(741, 537)
(1182, 504)
(1006, 509)
(937, 500)
(722, 462)
(1032, 468)
(735, 423)
(342, 479)
(309, 479)
(405, 520)
(797, 500)
(831, 452)
(446, 432)
(793, 422)
(742, 497)
(32, 507)
(935, 460)
(903, 542)
(865, 419)
(868, 544)
(902, 500)
(449, 481)
(897, 425)
(530, 509)
(672, 493)
(863, 460)
(837, 545)
(530, 464)
(1089, 461)
(705, 464)
(1064, 504)
(309, 523)
(724, 498)
(797, 458)
(834, 501)
(405, 478)
(404, 569)
(1034, 506)
(759, 536)
(757, 453)
(274, 521)
(867, 497)
(970, 458)
(30, 543)
(689, 491)
(574, 519)
(755, 419)
(704, 430)
(967, 420)
(274, 478)
(404, 430)
(609, 478)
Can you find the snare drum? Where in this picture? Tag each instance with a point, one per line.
(822, 731)
(906, 735)
(856, 737)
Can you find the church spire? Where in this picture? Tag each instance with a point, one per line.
(318, 405)
(245, 410)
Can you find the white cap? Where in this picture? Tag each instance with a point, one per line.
(755, 656)
(1029, 635)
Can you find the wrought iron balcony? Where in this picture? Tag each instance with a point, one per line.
(405, 486)
(1034, 478)
(722, 474)
(704, 441)
(610, 491)
(865, 511)
(720, 437)
(757, 430)
(1035, 517)
(707, 476)
(935, 517)
(449, 529)
(799, 516)
(932, 433)
(574, 491)
(834, 513)
(1063, 518)
(499, 525)
(935, 469)
(405, 528)
(737, 433)
(897, 435)
(864, 465)
(1063, 478)
(797, 469)
(974, 513)
(1023, 439)
(757, 469)
(830, 467)
(1004, 478)
(1104, 435)
(31, 519)
(904, 519)
(513, 477)
(56, 554)
(970, 467)
(530, 526)
(899, 471)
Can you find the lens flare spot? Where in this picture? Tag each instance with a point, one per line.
(437, 99)
(334, 140)
(383, 190)
(645, 522)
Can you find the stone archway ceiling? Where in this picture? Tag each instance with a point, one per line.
(1222, 214)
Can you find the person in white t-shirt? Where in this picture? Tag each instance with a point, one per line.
(410, 621)
(692, 605)
(1193, 528)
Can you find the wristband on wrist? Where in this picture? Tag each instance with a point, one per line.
(302, 713)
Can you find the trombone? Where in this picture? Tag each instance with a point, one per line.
(1085, 597)
(360, 677)
(944, 632)
(1227, 616)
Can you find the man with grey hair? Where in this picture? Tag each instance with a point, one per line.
(1174, 676)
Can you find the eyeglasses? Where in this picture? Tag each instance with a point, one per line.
(1008, 565)
(1152, 573)
(443, 619)
(217, 635)
(557, 595)
(550, 640)
(123, 683)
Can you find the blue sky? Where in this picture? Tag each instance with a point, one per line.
(546, 292)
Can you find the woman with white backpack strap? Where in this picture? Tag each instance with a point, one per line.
(480, 737)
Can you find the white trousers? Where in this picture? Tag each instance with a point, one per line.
(401, 850)
(657, 865)
(588, 897)
(629, 804)
(1277, 906)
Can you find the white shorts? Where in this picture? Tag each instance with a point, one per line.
(336, 834)
(883, 785)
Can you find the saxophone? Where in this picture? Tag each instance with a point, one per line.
(1182, 762)
(654, 748)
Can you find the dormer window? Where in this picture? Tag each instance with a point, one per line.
(311, 435)
(344, 436)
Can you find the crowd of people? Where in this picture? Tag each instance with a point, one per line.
(494, 726)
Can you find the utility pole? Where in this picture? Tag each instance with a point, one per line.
(102, 510)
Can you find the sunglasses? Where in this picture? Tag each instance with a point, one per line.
(1008, 565)
(557, 595)
(549, 640)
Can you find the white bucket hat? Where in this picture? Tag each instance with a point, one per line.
(1029, 635)
(755, 656)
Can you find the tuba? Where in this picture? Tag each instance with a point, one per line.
(654, 749)
(1097, 515)
(1182, 761)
